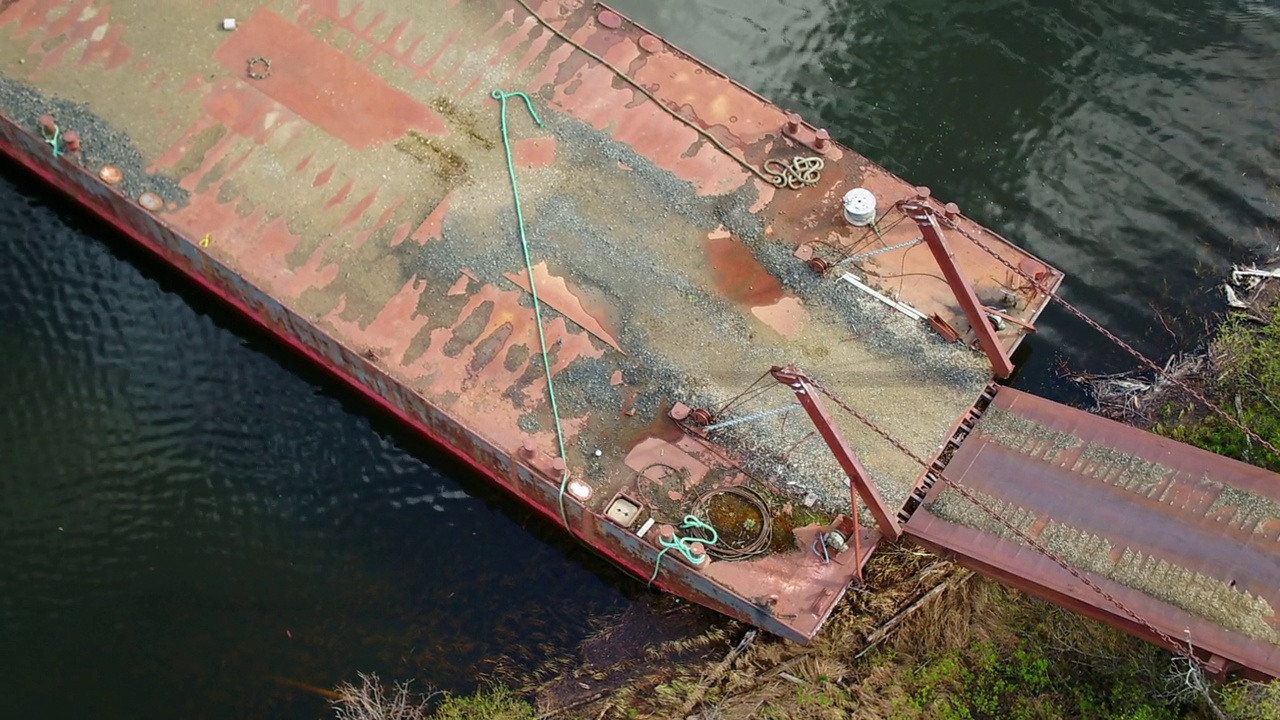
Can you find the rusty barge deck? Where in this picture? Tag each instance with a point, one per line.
(337, 171)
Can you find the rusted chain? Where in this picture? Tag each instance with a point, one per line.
(1181, 384)
(644, 91)
(258, 68)
(995, 515)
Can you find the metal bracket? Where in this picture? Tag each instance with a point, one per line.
(860, 482)
(974, 311)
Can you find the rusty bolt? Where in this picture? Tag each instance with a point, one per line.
(110, 174)
(702, 416)
(792, 125)
(679, 411)
(48, 126)
(923, 193)
(150, 201)
(650, 44)
(528, 449)
(558, 466)
(71, 141)
(952, 211)
(609, 19)
(821, 141)
(666, 532)
(819, 265)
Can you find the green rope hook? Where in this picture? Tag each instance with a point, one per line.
(53, 141)
(684, 544)
(502, 97)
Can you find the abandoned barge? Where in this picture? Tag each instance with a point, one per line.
(714, 344)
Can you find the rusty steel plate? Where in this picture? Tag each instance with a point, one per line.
(1188, 539)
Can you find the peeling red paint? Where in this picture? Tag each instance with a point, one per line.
(534, 153)
(330, 90)
(431, 227)
(555, 291)
(341, 196)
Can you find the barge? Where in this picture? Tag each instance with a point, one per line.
(714, 344)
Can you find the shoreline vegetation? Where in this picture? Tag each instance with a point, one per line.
(925, 638)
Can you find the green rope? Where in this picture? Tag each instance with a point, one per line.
(501, 97)
(684, 543)
(53, 141)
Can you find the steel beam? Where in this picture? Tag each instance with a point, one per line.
(923, 215)
(860, 482)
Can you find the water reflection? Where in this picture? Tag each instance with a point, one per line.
(186, 517)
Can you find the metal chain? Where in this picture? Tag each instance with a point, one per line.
(879, 251)
(995, 515)
(1112, 337)
(753, 416)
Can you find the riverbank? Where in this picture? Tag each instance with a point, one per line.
(925, 638)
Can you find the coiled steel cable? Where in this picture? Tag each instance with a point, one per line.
(722, 550)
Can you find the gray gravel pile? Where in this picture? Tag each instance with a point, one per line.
(101, 144)
(619, 227)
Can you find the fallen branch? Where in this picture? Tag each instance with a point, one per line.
(716, 673)
(573, 705)
(875, 637)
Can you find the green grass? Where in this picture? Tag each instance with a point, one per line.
(492, 703)
(1249, 371)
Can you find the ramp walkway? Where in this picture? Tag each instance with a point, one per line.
(1186, 543)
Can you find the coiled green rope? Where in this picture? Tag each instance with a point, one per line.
(502, 97)
(684, 543)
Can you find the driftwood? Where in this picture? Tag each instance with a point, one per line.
(1133, 398)
(574, 705)
(716, 673)
(877, 636)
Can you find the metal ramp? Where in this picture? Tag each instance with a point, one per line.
(1186, 540)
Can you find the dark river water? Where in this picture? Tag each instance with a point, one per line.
(187, 514)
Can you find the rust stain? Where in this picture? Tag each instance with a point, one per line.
(534, 153)
(739, 275)
(786, 316)
(329, 89)
(554, 291)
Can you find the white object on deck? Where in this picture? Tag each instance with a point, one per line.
(859, 207)
(903, 308)
(229, 24)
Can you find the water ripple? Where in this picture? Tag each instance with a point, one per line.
(179, 509)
